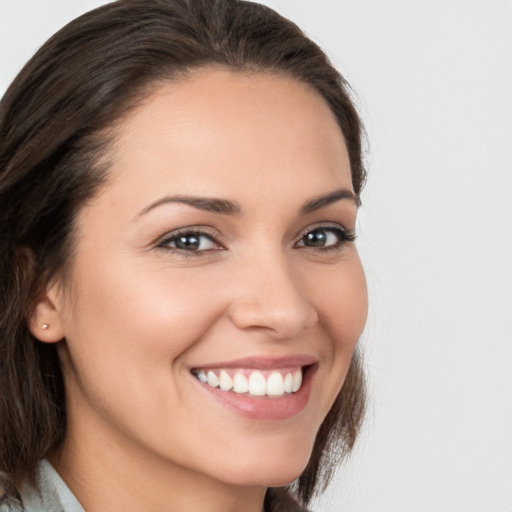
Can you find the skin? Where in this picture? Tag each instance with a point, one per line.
(137, 316)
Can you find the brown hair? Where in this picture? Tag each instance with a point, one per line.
(54, 122)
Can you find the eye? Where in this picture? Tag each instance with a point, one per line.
(190, 241)
(325, 237)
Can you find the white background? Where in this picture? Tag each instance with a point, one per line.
(434, 84)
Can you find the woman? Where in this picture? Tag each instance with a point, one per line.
(181, 293)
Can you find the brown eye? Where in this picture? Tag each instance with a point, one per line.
(191, 241)
(325, 237)
(317, 238)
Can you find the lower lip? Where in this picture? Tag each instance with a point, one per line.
(265, 408)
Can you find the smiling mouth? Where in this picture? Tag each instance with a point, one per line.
(255, 383)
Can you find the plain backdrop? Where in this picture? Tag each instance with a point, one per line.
(433, 80)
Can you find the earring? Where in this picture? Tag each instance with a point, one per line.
(45, 326)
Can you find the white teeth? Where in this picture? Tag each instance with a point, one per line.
(257, 384)
(240, 383)
(275, 384)
(288, 383)
(225, 381)
(252, 382)
(296, 380)
(213, 380)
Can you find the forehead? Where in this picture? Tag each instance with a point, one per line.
(222, 133)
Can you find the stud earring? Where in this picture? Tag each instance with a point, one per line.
(45, 326)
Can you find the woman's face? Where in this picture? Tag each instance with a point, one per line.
(220, 249)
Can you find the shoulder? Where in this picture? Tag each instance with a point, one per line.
(10, 500)
(10, 505)
(48, 493)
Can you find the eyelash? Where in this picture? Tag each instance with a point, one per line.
(164, 243)
(343, 235)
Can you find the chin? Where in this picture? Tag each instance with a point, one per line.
(272, 468)
(279, 476)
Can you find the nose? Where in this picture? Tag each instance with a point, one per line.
(269, 296)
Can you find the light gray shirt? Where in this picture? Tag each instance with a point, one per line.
(51, 494)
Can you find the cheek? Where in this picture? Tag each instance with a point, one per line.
(353, 304)
(142, 309)
(342, 303)
(341, 299)
(126, 331)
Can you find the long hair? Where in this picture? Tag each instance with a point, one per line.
(56, 123)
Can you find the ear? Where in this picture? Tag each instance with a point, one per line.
(45, 321)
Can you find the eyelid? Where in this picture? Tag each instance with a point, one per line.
(324, 225)
(188, 230)
(348, 234)
(162, 242)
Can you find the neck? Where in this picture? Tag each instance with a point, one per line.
(106, 475)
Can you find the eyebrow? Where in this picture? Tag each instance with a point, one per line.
(332, 197)
(232, 208)
(208, 204)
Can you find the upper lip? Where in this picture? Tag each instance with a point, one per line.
(263, 363)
